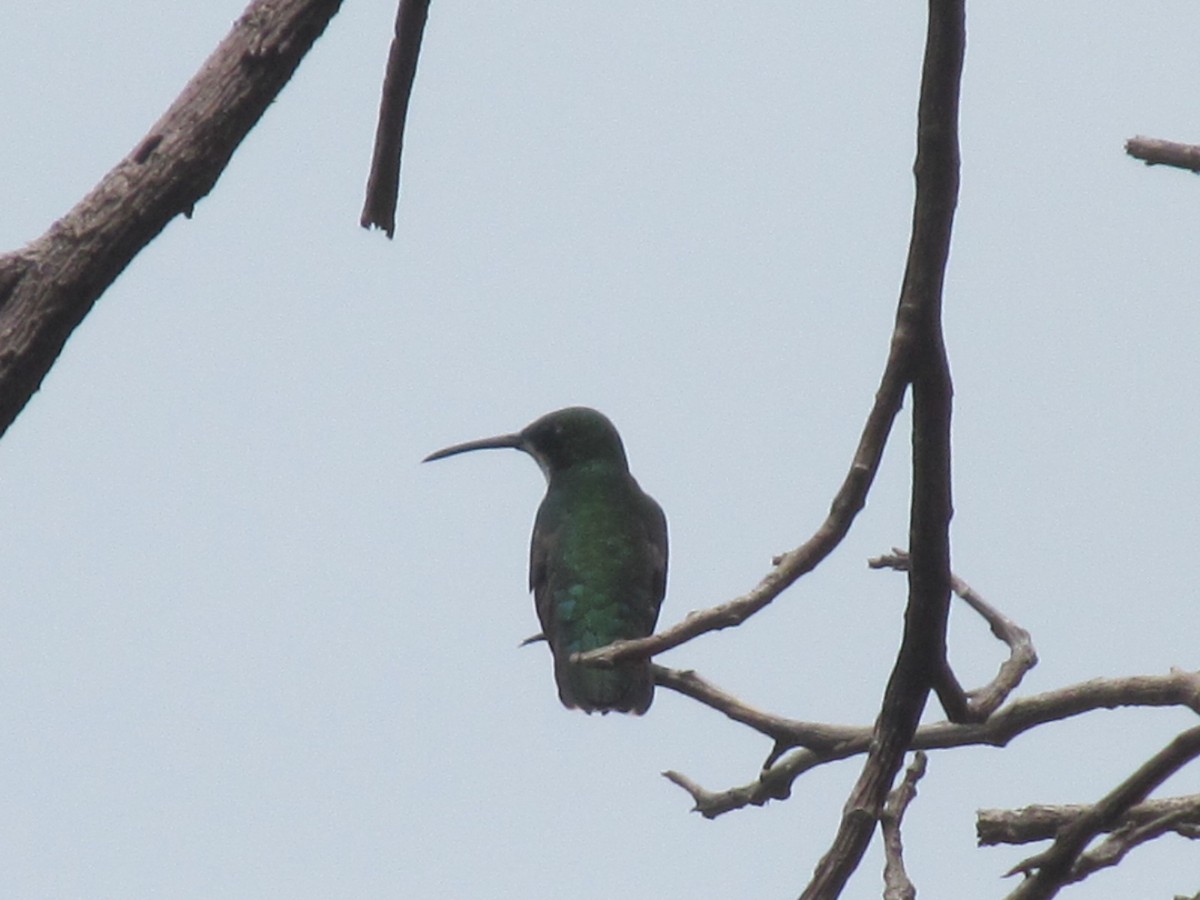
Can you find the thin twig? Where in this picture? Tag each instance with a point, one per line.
(896, 883)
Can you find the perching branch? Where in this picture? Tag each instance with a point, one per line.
(50, 284)
(1048, 871)
(383, 184)
(791, 566)
(1166, 153)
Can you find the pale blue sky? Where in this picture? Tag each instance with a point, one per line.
(253, 649)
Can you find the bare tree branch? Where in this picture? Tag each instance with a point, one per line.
(49, 285)
(1048, 871)
(921, 662)
(1022, 657)
(383, 184)
(837, 742)
(1041, 823)
(896, 883)
(1167, 153)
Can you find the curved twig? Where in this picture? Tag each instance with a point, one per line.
(1022, 656)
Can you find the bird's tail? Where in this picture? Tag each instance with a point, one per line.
(628, 687)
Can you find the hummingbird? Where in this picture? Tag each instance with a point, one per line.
(598, 557)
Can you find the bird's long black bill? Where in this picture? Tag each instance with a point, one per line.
(503, 440)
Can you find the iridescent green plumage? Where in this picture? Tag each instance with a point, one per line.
(598, 560)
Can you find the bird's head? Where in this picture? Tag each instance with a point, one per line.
(557, 441)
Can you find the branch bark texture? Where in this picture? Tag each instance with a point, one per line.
(50, 285)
